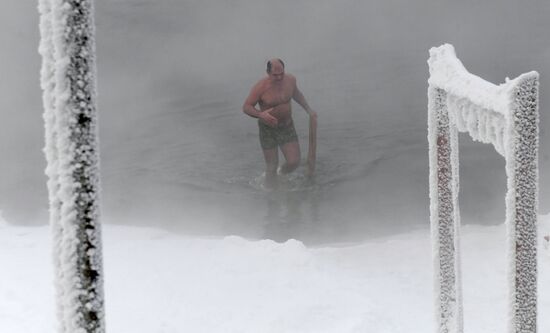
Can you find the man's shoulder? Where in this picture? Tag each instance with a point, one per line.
(291, 80)
(262, 84)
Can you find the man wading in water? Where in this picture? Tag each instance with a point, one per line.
(273, 94)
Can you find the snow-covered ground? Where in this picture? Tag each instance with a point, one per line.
(158, 281)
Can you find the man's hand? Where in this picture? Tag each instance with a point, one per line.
(267, 118)
(312, 114)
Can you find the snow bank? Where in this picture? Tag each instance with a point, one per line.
(160, 282)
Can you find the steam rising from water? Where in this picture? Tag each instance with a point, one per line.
(177, 151)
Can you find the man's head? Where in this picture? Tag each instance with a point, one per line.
(275, 69)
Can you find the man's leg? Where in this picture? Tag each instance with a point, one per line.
(271, 157)
(291, 151)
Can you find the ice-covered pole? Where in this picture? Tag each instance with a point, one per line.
(522, 202)
(69, 82)
(444, 215)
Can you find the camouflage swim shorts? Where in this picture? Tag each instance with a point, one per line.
(272, 137)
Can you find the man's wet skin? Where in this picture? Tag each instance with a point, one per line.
(273, 95)
(277, 94)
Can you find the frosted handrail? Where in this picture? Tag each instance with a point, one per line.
(448, 73)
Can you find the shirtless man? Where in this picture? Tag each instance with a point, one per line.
(273, 95)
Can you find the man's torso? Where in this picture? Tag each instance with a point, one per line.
(278, 96)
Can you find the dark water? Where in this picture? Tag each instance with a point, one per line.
(199, 170)
(177, 152)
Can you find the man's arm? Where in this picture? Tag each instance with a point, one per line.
(249, 107)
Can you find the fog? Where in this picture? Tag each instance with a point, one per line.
(177, 152)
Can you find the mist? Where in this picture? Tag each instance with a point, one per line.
(177, 152)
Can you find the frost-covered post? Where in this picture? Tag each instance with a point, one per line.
(522, 203)
(507, 117)
(68, 79)
(444, 212)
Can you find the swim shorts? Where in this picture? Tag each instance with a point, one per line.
(271, 137)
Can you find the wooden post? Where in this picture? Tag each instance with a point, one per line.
(312, 148)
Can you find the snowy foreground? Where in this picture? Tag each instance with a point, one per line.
(161, 282)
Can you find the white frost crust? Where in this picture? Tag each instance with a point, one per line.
(459, 312)
(482, 108)
(483, 125)
(449, 314)
(68, 260)
(448, 73)
(47, 83)
(434, 205)
(522, 199)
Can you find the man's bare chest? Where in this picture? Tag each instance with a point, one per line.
(276, 96)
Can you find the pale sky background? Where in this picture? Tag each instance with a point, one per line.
(176, 149)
